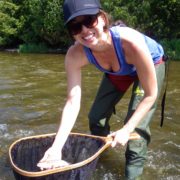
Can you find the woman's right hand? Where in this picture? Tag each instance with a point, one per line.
(52, 159)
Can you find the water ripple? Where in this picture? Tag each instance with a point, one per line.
(172, 143)
(6, 96)
(163, 161)
(3, 129)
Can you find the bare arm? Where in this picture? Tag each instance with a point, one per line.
(73, 62)
(138, 54)
(72, 105)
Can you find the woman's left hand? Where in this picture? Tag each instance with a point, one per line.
(120, 137)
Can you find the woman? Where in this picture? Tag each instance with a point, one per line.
(125, 56)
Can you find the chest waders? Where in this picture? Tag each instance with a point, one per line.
(107, 97)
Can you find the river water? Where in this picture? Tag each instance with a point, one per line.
(32, 95)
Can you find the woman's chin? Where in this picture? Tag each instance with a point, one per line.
(91, 43)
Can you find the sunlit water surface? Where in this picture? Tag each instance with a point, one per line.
(32, 95)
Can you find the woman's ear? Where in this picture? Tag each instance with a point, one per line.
(105, 19)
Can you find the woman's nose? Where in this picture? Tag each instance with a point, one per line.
(84, 28)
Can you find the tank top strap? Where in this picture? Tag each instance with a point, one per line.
(125, 69)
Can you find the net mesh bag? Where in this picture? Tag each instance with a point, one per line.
(81, 151)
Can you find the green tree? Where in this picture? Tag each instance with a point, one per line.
(9, 24)
(165, 18)
(43, 22)
(156, 18)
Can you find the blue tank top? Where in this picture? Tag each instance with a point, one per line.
(155, 49)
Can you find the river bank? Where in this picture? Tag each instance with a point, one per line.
(48, 51)
(171, 48)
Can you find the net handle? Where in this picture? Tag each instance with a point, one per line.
(133, 136)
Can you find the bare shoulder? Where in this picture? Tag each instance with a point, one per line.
(133, 44)
(76, 56)
(130, 34)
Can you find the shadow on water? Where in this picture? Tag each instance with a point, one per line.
(32, 94)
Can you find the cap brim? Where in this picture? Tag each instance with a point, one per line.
(90, 11)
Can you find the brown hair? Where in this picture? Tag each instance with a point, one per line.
(108, 19)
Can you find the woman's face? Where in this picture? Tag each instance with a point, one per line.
(88, 29)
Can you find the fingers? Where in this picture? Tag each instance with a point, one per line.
(113, 136)
(43, 166)
(51, 159)
(119, 137)
(113, 144)
(51, 164)
(116, 141)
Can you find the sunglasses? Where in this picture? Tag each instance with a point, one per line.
(90, 21)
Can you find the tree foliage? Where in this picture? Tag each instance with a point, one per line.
(43, 22)
(34, 21)
(160, 19)
(9, 24)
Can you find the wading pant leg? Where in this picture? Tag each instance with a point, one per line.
(137, 149)
(103, 107)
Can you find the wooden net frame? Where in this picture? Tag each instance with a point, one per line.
(81, 150)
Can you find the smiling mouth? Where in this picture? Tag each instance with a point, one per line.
(88, 37)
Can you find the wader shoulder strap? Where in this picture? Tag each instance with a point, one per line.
(163, 102)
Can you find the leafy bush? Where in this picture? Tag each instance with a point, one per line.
(172, 48)
(9, 24)
(33, 48)
(34, 21)
(44, 22)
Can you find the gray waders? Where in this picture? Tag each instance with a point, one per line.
(103, 107)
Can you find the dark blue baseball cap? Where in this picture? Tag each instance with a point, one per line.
(74, 8)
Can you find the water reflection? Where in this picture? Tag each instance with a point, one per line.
(32, 94)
